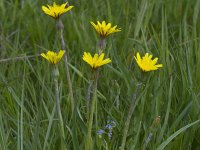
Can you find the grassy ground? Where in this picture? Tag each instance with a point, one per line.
(167, 29)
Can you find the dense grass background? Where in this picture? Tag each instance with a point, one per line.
(169, 29)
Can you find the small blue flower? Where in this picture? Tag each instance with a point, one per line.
(100, 132)
(109, 126)
(108, 129)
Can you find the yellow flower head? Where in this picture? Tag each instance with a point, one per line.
(53, 57)
(56, 11)
(95, 61)
(146, 63)
(104, 29)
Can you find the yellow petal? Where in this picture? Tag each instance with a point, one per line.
(64, 5)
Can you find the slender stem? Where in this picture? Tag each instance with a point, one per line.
(88, 98)
(55, 78)
(102, 45)
(130, 113)
(60, 26)
(88, 145)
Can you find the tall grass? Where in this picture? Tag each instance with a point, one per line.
(167, 29)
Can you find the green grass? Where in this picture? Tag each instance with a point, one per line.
(167, 29)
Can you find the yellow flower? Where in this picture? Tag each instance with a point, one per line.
(104, 29)
(53, 57)
(56, 11)
(146, 63)
(95, 61)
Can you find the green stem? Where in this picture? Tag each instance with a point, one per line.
(88, 99)
(102, 45)
(130, 113)
(88, 145)
(55, 78)
(60, 26)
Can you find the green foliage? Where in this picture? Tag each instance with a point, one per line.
(170, 30)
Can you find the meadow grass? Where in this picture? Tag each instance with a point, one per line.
(167, 29)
